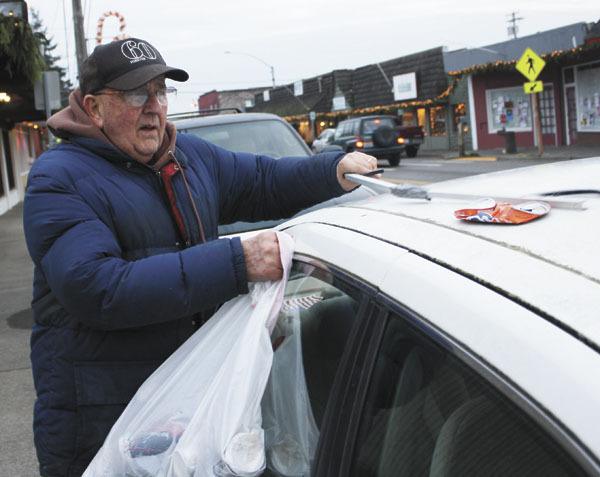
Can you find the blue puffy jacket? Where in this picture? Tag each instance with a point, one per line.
(116, 286)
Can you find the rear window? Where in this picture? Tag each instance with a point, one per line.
(270, 138)
(369, 125)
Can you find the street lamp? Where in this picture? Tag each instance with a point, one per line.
(257, 59)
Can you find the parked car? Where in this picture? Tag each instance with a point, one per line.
(257, 133)
(380, 136)
(437, 347)
(323, 140)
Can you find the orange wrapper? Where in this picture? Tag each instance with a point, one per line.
(489, 211)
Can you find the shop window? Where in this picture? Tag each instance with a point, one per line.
(508, 108)
(9, 160)
(569, 76)
(437, 121)
(421, 117)
(588, 98)
(547, 112)
(409, 118)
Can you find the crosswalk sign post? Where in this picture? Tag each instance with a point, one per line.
(531, 65)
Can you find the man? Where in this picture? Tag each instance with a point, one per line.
(121, 224)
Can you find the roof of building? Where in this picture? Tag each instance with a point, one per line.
(370, 87)
(594, 32)
(557, 39)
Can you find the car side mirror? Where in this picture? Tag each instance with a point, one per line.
(332, 148)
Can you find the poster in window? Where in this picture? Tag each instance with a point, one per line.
(509, 109)
(588, 98)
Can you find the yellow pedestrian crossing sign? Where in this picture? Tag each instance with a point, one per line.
(530, 64)
(533, 87)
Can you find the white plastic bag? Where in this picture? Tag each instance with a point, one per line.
(199, 413)
(291, 433)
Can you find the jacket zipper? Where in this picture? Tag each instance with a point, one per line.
(190, 197)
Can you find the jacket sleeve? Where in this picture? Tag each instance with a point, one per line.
(82, 262)
(253, 187)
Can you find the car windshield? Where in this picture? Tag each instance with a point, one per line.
(268, 137)
(369, 125)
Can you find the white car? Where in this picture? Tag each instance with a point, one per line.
(323, 140)
(438, 347)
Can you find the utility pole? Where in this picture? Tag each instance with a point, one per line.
(80, 46)
(513, 29)
(537, 123)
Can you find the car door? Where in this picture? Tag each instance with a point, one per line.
(443, 381)
(316, 339)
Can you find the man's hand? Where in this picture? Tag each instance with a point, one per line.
(263, 262)
(354, 163)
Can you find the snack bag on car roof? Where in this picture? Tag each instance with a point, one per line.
(489, 211)
(199, 413)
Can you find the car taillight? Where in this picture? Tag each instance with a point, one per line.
(400, 140)
(360, 143)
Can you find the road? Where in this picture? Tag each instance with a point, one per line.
(429, 168)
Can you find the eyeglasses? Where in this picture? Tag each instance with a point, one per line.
(139, 96)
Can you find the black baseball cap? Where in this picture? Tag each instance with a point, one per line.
(124, 65)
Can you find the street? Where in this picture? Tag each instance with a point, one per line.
(430, 168)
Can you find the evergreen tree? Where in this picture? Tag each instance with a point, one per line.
(51, 59)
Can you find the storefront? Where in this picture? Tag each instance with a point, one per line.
(569, 105)
(501, 105)
(18, 149)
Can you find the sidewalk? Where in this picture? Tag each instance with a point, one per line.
(551, 153)
(17, 457)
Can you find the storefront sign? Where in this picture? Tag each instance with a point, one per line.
(339, 103)
(266, 95)
(405, 86)
(298, 88)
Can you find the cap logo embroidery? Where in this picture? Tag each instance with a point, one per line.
(137, 51)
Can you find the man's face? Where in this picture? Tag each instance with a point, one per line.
(136, 129)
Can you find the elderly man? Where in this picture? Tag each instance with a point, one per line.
(121, 224)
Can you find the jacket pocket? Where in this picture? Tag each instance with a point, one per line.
(103, 390)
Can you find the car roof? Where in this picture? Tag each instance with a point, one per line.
(199, 121)
(550, 265)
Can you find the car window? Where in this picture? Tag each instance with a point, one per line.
(369, 125)
(339, 131)
(428, 414)
(309, 338)
(269, 137)
(346, 128)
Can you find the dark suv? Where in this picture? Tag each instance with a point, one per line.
(379, 136)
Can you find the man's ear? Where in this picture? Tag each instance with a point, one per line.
(94, 109)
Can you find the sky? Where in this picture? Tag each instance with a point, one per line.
(300, 39)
